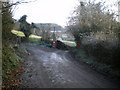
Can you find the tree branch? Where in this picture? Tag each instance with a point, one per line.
(18, 2)
(8, 5)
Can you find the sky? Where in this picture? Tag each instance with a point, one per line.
(48, 11)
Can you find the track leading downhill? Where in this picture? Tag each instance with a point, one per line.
(51, 68)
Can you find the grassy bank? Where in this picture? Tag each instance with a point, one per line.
(12, 66)
(81, 56)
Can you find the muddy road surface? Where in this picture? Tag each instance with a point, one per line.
(52, 68)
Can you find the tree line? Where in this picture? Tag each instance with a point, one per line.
(96, 28)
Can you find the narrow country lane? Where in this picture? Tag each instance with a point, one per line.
(51, 68)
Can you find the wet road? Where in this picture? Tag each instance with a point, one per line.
(50, 68)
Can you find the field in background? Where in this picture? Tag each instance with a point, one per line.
(37, 39)
(69, 43)
(21, 34)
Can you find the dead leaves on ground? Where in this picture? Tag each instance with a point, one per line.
(14, 79)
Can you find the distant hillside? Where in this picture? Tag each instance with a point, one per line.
(44, 26)
(50, 27)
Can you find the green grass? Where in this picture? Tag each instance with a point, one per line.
(69, 43)
(21, 34)
(36, 39)
(18, 33)
(32, 38)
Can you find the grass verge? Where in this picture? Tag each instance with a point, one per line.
(105, 69)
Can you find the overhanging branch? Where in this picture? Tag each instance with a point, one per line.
(8, 5)
(17, 3)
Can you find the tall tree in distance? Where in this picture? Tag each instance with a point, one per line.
(25, 27)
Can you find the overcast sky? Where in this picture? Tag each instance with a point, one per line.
(48, 11)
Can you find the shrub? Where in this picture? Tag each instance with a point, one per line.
(109, 55)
